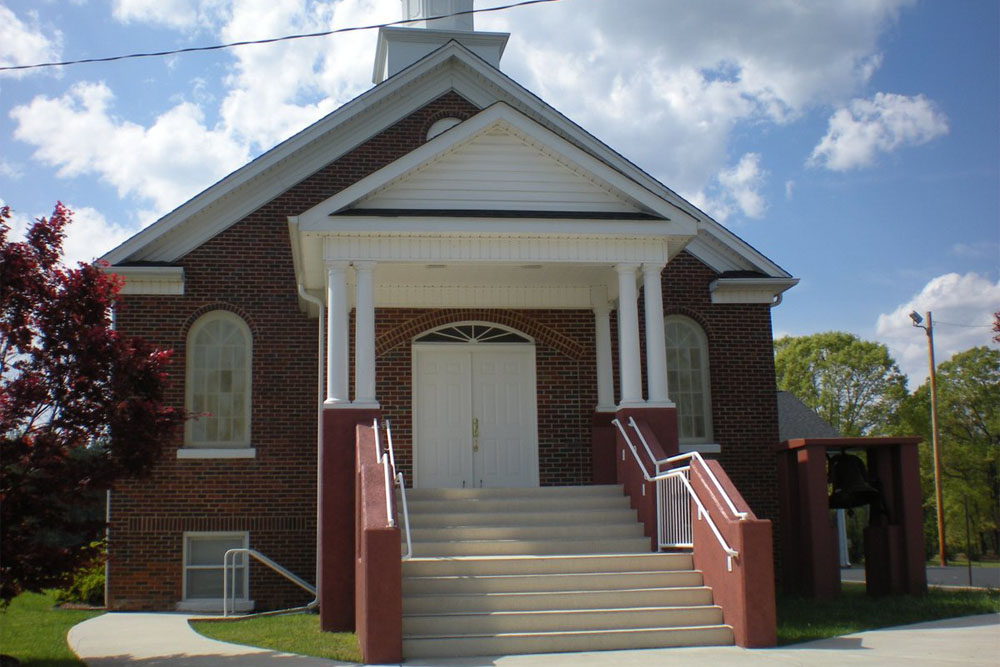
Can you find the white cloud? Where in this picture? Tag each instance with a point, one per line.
(86, 235)
(962, 307)
(736, 189)
(977, 250)
(858, 133)
(789, 189)
(166, 163)
(26, 44)
(91, 234)
(688, 76)
(179, 14)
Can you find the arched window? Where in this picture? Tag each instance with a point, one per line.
(219, 354)
(688, 379)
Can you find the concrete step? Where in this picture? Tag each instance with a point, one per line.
(570, 531)
(458, 516)
(512, 504)
(533, 583)
(439, 646)
(583, 563)
(614, 490)
(582, 545)
(559, 620)
(634, 597)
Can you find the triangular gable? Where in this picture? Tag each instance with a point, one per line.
(498, 170)
(499, 140)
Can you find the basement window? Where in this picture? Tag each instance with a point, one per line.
(203, 571)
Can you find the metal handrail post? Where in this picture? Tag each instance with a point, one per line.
(287, 574)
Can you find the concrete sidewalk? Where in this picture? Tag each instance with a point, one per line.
(165, 640)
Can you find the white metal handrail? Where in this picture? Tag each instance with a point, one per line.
(401, 481)
(678, 473)
(388, 461)
(381, 457)
(690, 455)
(229, 560)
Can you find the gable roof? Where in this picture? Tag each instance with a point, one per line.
(797, 420)
(451, 68)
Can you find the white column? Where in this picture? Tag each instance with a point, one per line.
(656, 352)
(364, 335)
(628, 337)
(337, 314)
(602, 339)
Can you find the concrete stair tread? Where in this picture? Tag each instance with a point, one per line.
(610, 610)
(614, 490)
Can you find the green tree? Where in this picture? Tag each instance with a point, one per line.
(853, 384)
(968, 393)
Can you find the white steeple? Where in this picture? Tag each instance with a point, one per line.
(427, 9)
(399, 47)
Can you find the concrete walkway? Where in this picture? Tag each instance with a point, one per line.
(155, 640)
(166, 640)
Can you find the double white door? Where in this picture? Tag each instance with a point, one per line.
(475, 416)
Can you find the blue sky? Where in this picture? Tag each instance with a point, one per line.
(857, 144)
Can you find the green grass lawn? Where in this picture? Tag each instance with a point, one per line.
(34, 631)
(292, 633)
(804, 619)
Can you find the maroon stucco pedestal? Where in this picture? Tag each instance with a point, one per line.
(894, 543)
(335, 585)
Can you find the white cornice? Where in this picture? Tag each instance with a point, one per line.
(167, 280)
(749, 290)
(497, 249)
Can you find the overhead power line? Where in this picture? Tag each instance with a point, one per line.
(285, 38)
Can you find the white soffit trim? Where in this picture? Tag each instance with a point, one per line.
(749, 290)
(166, 280)
(499, 116)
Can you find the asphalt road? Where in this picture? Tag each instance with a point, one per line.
(982, 577)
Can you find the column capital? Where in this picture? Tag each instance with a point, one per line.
(338, 266)
(653, 268)
(626, 268)
(364, 265)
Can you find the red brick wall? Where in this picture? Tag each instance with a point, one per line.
(741, 365)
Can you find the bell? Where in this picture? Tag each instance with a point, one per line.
(851, 487)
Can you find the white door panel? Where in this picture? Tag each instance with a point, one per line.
(455, 384)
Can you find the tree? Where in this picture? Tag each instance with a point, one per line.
(968, 394)
(80, 405)
(853, 384)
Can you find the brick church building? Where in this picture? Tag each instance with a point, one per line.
(450, 253)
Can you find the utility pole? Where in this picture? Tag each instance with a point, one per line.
(929, 328)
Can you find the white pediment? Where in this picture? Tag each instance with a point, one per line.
(499, 169)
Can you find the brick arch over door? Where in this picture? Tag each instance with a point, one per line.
(542, 334)
(566, 379)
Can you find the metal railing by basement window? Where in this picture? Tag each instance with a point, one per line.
(229, 563)
(388, 461)
(673, 509)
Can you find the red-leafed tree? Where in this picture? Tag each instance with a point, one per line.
(80, 405)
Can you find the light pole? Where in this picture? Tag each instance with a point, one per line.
(929, 328)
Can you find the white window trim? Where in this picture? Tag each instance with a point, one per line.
(192, 452)
(213, 604)
(705, 445)
(214, 450)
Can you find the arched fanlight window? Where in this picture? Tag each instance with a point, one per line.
(688, 378)
(219, 354)
(471, 333)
